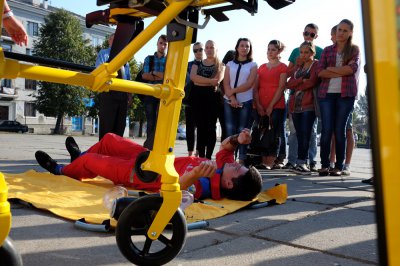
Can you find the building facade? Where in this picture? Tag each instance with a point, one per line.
(17, 96)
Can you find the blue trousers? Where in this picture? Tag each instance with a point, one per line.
(303, 122)
(335, 112)
(236, 119)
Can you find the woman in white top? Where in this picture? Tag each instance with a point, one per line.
(240, 75)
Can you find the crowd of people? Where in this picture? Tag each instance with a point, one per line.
(320, 84)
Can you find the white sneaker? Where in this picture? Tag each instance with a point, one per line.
(346, 170)
(302, 169)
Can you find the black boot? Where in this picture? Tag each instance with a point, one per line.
(46, 162)
(72, 148)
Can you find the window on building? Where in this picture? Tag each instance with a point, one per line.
(6, 47)
(33, 28)
(28, 51)
(6, 83)
(30, 109)
(97, 41)
(30, 84)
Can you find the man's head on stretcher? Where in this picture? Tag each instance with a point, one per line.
(113, 158)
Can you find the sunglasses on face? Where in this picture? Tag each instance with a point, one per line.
(306, 33)
(198, 50)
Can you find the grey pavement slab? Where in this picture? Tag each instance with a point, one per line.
(326, 220)
(353, 235)
(259, 251)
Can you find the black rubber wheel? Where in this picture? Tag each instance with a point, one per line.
(131, 233)
(9, 255)
(144, 176)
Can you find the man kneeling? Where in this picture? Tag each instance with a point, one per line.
(113, 158)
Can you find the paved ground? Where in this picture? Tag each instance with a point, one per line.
(326, 220)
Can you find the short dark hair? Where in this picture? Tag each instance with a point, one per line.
(164, 37)
(312, 26)
(245, 187)
(229, 56)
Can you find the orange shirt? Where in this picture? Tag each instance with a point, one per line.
(268, 83)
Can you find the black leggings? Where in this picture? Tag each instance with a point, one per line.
(190, 128)
(205, 109)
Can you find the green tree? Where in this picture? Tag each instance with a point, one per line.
(361, 118)
(61, 37)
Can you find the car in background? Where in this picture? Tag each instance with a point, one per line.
(181, 134)
(12, 126)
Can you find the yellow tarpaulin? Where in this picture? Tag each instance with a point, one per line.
(73, 199)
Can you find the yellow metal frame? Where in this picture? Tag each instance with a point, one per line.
(380, 26)
(5, 215)
(383, 79)
(170, 93)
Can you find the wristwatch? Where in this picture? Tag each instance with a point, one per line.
(8, 14)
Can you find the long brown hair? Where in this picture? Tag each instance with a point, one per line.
(349, 47)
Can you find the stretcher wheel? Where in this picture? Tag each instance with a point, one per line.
(131, 233)
(9, 255)
(144, 176)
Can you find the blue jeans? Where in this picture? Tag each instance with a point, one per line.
(335, 112)
(312, 150)
(282, 148)
(236, 119)
(292, 140)
(293, 147)
(151, 105)
(303, 123)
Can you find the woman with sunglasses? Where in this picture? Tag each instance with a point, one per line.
(206, 76)
(188, 101)
(240, 75)
(336, 94)
(301, 103)
(270, 102)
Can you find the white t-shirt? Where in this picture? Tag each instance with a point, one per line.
(243, 76)
(335, 84)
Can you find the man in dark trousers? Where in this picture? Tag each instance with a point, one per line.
(153, 73)
(113, 104)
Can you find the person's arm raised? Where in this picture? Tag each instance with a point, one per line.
(230, 143)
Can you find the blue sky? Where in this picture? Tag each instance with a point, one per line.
(286, 25)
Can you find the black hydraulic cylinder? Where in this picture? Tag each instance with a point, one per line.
(48, 62)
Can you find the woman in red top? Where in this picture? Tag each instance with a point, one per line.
(270, 102)
(301, 104)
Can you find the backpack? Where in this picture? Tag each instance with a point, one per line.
(139, 75)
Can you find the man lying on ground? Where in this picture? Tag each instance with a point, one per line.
(113, 158)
